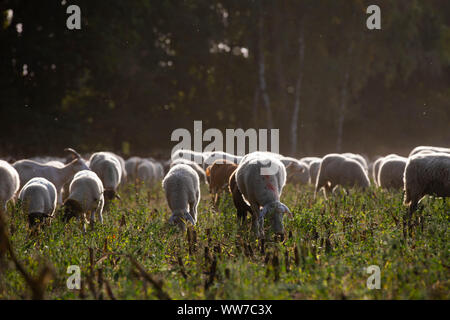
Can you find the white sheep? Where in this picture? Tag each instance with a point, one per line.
(182, 189)
(314, 167)
(55, 173)
(159, 168)
(377, 164)
(38, 199)
(358, 158)
(131, 165)
(189, 155)
(85, 197)
(390, 173)
(297, 172)
(220, 155)
(199, 170)
(428, 149)
(263, 190)
(109, 170)
(9, 184)
(425, 174)
(338, 170)
(147, 172)
(308, 160)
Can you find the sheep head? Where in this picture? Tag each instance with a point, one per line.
(275, 210)
(72, 209)
(179, 219)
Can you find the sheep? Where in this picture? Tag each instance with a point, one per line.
(57, 174)
(123, 178)
(182, 190)
(377, 164)
(220, 155)
(159, 169)
(38, 198)
(218, 175)
(297, 172)
(390, 173)
(131, 165)
(263, 190)
(146, 173)
(337, 170)
(314, 167)
(9, 184)
(241, 206)
(109, 170)
(199, 170)
(429, 149)
(85, 196)
(425, 174)
(309, 160)
(189, 155)
(358, 158)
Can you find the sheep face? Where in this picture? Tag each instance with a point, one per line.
(72, 209)
(275, 211)
(110, 194)
(36, 218)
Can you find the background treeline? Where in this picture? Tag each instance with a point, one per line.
(140, 69)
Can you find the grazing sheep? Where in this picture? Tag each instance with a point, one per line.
(85, 197)
(189, 155)
(259, 190)
(9, 184)
(429, 149)
(159, 169)
(425, 174)
(201, 173)
(108, 169)
(38, 198)
(390, 173)
(55, 173)
(309, 160)
(218, 175)
(146, 173)
(314, 167)
(377, 165)
(241, 206)
(337, 170)
(220, 155)
(297, 172)
(182, 189)
(358, 158)
(131, 165)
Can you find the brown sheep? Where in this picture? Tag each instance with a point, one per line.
(218, 175)
(241, 206)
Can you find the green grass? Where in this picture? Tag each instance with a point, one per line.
(335, 241)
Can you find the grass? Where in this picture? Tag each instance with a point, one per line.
(135, 254)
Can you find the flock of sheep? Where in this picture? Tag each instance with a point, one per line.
(82, 187)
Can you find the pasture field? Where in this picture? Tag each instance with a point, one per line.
(328, 245)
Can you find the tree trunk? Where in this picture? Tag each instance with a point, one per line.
(262, 67)
(298, 87)
(343, 106)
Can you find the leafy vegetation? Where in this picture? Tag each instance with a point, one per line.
(328, 245)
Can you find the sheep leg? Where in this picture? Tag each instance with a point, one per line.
(255, 220)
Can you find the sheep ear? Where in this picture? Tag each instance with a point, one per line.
(117, 196)
(188, 217)
(286, 210)
(72, 151)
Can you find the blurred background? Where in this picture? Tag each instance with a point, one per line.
(139, 69)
